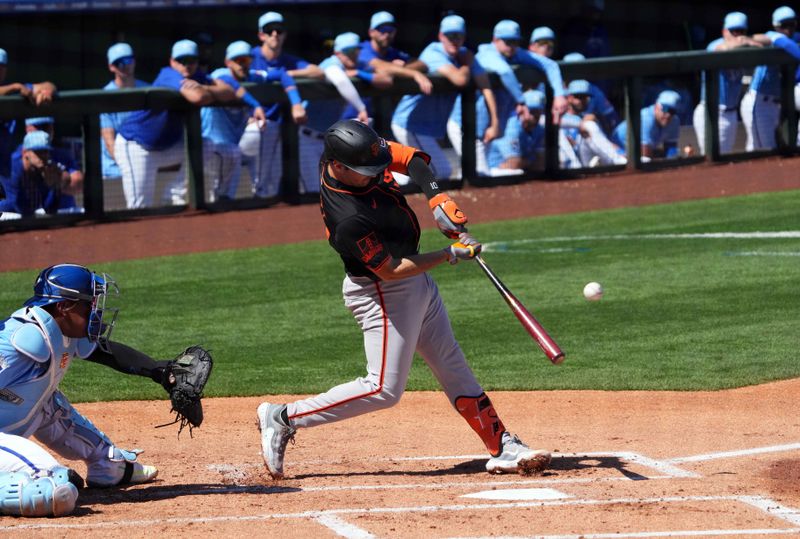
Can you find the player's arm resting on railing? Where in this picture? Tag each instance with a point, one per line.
(43, 92)
(336, 76)
(311, 71)
(289, 86)
(484, 85)
(15, 88)
(424, 83)
(127, 360)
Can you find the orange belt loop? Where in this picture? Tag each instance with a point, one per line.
(481, 416)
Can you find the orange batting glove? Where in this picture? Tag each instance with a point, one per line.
(449, 217)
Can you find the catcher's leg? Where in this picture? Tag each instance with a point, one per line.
(73, 436)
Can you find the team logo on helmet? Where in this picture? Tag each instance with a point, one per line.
(376, 146)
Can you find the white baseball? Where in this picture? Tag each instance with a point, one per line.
(593, 291)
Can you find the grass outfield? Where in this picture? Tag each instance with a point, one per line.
(682, 313)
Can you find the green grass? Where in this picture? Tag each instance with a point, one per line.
(682, 314)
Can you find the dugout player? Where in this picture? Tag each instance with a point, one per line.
(734, 36)
(68, 316)
(152, 139)
(270, 54)
(761, 105)
(393, 298)
(661, 128)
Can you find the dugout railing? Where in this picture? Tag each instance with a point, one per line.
(85, 106)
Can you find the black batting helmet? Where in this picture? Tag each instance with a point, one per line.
(357, 146)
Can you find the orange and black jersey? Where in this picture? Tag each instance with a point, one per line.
(369, 225)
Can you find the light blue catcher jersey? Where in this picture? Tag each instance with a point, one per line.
(427, 114)
(113, 120)
(34, 356)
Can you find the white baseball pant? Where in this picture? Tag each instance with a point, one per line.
(727, 128)
(397, 319)
(566, 152)
(221, 162)
(139, 169)
(439, 162)
(596, 144)
(18, 454)
(760, 116)
(455, 134)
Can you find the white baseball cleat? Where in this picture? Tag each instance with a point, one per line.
(142, 473)
(274, 437)
(516, 457)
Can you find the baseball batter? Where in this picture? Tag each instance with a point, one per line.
(396, 303)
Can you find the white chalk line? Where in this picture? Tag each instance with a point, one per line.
(682, 533)
(762, 253)
(737, 453)
(765, 505)
(787, 234)
(343, 528)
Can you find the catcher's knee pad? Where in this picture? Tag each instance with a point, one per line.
(481, 416)
(50, 496)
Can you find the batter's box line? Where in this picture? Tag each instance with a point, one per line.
(766, 505)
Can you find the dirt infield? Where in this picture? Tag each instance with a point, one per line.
(626, 464)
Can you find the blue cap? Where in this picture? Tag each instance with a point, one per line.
(237, 49)
(345, 41)
(37, 140)
(3, 57)
(40, 120)
(783, 13)
(574, 57)
(534, 99)
(184, 47)
(380, 18)
(453, 24)
(118, 51)
(735, 20)
(270, 17)
(578, 86)
(542, 32)
(506, 29)
(669, 98)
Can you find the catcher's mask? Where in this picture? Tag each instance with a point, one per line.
(357, 146)
(72, 282)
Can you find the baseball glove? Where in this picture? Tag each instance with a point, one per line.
(184, 379)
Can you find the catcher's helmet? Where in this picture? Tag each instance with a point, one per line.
(357, 146)
(72, 282)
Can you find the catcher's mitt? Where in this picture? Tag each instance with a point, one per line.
(184, 379)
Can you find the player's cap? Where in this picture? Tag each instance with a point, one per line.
(506, 29)
(348, 40)
(270, 17)
(184, 47)
(3, 57)
(541, 33)
(40, 120)
(453, 24)
(735, 20)
(381, 18)
(669, 99)
(118, 51)
(36, 140)
(782, 14)
(237, 49)
(574, 57)
(534, 99)
(579, 87)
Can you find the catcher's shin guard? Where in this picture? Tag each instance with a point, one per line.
(23, 495)
(481, 416)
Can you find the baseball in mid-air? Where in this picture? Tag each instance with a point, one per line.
(593, 291)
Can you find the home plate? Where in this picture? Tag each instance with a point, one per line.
(519, 494)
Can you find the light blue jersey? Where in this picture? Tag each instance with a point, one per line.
(225, 124)
(730, 82)
(515, 142)
(322, 113)
(767, 79)
(113, 120)
(34, 356)
(653, 134)
(427, 114)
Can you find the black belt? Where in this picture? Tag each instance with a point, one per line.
(770, 99)
(312, 133)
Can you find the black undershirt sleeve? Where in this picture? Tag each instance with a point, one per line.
(421, 174)
(129, 361)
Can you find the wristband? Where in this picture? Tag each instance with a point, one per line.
(250, 100)
(294, 96)
(364, 75)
